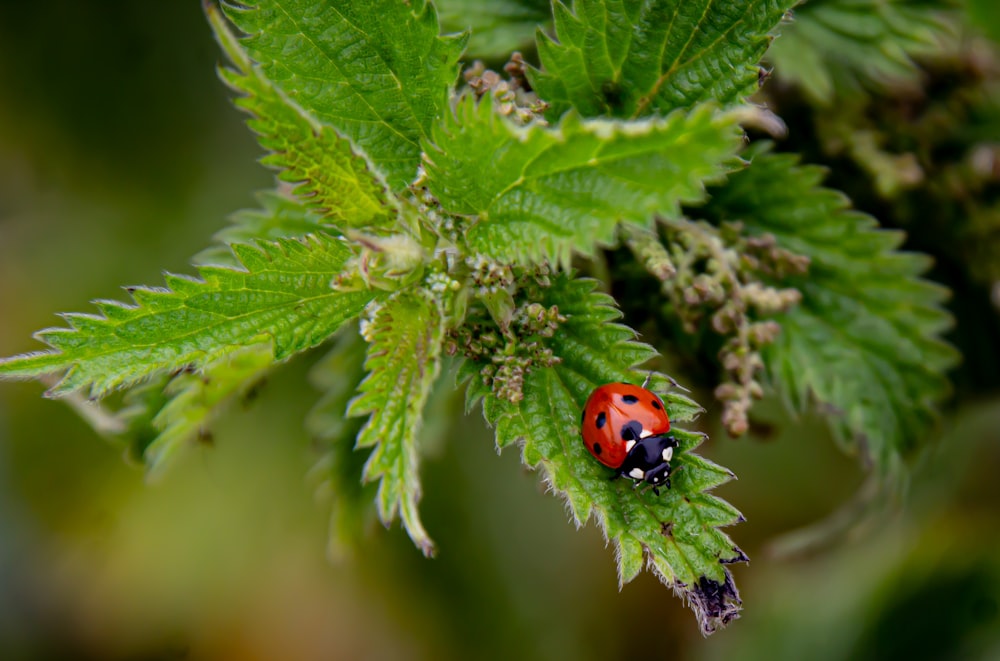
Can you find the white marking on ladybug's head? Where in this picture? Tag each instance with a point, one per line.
(656, 478)
(668, 454)
(629, 445)
(637, 473)
(645, 433)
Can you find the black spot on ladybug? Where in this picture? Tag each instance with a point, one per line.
(631, 430)
(630, 399)
(597, 449)
(601, 419)
(656, 405)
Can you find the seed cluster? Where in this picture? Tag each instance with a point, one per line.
(512, 96)
(510, 348)
(428, 209)
(715, 274)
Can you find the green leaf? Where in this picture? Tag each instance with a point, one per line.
(631, 58)
(543, 193)
(404, 358)
(321, 164)
(865, 340)
(195, 399)
(374, 70)
(498, 27)
(837, 46)
(677, 533)
(280, 217)
(984, 16)
(283, 295)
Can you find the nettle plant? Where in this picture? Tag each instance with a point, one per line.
(460, 214)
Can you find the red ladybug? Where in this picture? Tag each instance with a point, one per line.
(626, 428)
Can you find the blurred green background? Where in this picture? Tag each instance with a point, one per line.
(120, 155)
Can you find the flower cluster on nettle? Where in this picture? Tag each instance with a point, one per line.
(507, 329)
(512, 96)
(715, 280)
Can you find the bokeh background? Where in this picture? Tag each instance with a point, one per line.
(120, 155)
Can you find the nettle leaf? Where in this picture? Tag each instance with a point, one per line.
(675, 534)
(331, 178)
(631, 58)
(195, 399)
(282, 295)
(497, 28)
(865, 340)
(374, 70)
(544, 193)
(279, 217)
(404, 358)
(837, 46)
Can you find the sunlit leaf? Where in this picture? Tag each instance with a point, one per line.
(545, 193)
(404, 358)
(282, 295)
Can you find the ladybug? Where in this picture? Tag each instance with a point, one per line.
(626, 428)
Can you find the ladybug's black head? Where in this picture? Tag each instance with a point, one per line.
(649, 460)
(659, 475)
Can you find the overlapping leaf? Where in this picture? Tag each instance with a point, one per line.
(283, 296)
(865, 341)
(404, 358)
(630, 58)
(677, 532)
(374, 70)
(335, 181)
(547, 192)
(835, 46)
(497, 28)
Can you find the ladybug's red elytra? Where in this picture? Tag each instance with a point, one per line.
(626, 428)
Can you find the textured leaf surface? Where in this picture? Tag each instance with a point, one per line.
(325, 170)
(404, 358)
(677, 532)
(865, 341)
(374, 70)
(546, 192)
(630, 58)
(836, 45)
(283, 296)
